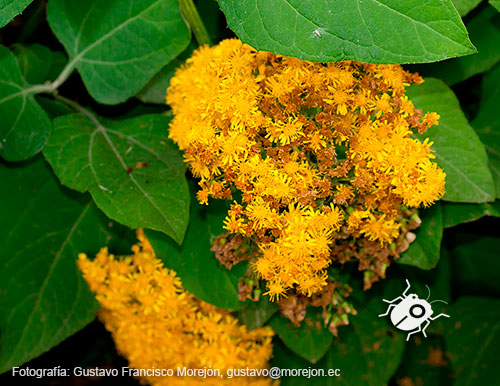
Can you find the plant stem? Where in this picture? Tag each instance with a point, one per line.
(193, 18)
(49, 87)
(77, 107)
(64, 75)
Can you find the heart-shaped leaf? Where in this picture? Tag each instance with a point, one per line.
(118, 46)
(43, 297)
(133, 172)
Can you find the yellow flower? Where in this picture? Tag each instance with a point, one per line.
(286, 132)
(381, 229)
(261, 215)
(155, 323)
(276, 290)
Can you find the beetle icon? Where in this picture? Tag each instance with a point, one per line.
(411, 313)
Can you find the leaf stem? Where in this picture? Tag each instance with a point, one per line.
(194, 20)
(64, 75)
(77, 107)
(49, 87)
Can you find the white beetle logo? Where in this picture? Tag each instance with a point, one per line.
(411, 313)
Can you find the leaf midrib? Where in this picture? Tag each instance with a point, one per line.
(74, 62)
(103, 131)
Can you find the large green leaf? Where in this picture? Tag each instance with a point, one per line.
(465, 6)
(311, 340)
(373, 31)
(473, 340)
(487, 123)
(200, 272)
(11, 8)
(458, 149)
(424, 252)
(43, 298)
(485, 35)
(133, 172)
(367, 353)
(116, 45)
(25, 126)
(457, 213)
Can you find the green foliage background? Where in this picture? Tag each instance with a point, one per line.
(82, 102)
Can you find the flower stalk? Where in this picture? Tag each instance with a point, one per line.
(194, 20)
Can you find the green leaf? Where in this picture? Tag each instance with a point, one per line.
(475, 263)
(11, 8)
(424, 252)
(334, 30)
(496, 4)
(118, 46)
(105, 157)
(25, 126)
(458, 149)
(156, 89)
(465, 6)
(256, 314)
(487, 123)
(43, 298)
(473, 340)
(485, 35)
(458, 213)
(367, 353)
(201, 274)
(311, 340)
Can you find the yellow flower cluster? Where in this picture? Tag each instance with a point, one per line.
(305, 150)
(304, 243)
(156, 324)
